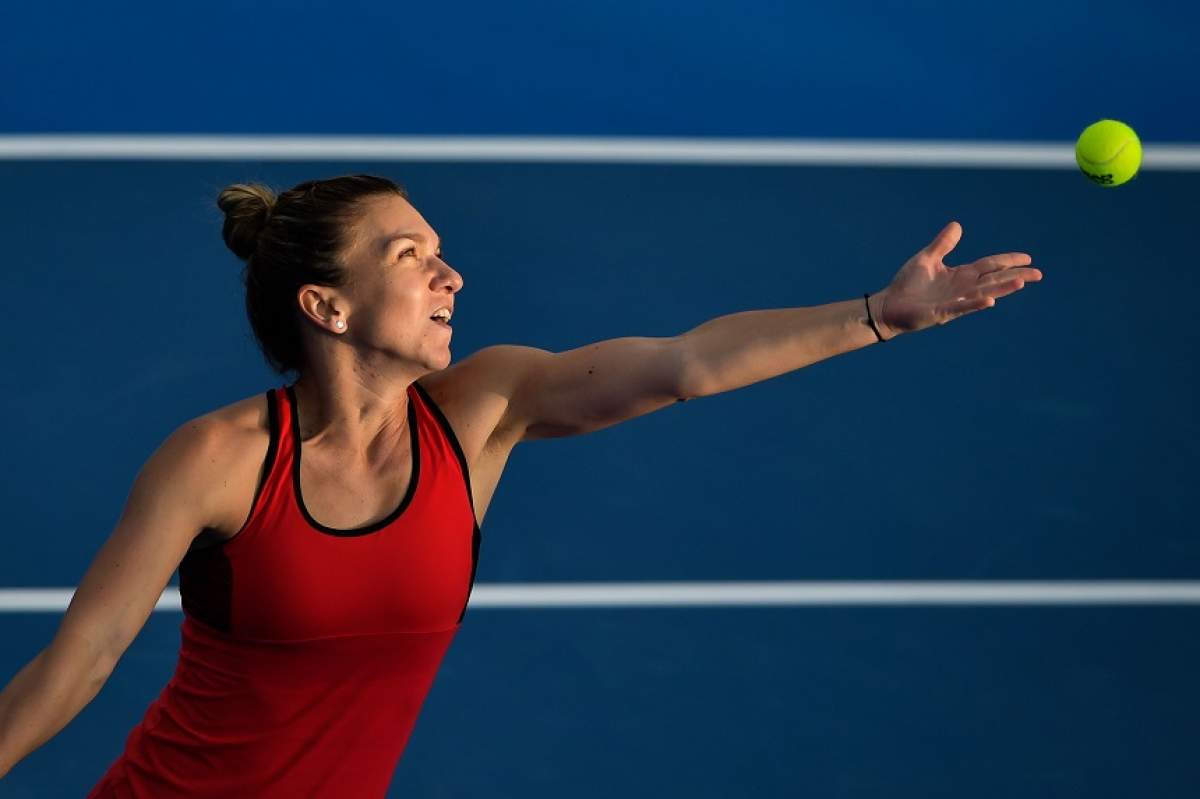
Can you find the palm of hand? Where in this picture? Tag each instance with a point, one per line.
(926, 292)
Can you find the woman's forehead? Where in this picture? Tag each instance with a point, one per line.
(385, 220)
(391, 214)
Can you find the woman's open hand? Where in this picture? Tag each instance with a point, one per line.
(926, 292)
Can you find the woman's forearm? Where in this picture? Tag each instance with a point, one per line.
(744, 348)
(46, 694)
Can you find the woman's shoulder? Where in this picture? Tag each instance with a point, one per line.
(245, 416)
(240, 434)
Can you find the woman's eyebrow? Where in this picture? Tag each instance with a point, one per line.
(416, 236)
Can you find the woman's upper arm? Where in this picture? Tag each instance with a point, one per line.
(554, 394)
(172, 499)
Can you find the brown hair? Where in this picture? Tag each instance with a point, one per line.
(288, 241)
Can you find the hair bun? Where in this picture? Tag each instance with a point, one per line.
(247, 207)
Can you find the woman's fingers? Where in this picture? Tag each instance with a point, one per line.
(1026, 274)
(1005, 287)
(1004, 260)
(985, 296)
(988, 279)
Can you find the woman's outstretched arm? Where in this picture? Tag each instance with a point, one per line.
(585, 389)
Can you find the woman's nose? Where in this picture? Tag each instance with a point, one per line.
(451, 278)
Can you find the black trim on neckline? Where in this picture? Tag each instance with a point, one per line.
(476, 535)
(458, 450)
(370, 528)
(268, 461)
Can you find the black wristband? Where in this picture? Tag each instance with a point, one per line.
(871, 320)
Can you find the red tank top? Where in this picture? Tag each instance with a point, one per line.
(306, 652)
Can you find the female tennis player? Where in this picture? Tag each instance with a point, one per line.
(326, 532)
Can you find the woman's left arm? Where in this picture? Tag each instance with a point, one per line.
(575, 392)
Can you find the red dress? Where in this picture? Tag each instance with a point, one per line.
(306, 652)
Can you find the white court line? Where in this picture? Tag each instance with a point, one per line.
(754, 594)
(729, 151)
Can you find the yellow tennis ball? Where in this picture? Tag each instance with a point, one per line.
(1108, 152)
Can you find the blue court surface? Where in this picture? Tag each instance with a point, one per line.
(1052, 438)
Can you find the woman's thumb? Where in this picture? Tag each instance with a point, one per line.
(945, 241)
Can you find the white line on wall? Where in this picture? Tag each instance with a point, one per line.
(769, 152)
(748, 594)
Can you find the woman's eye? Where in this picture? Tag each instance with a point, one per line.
(410, 250)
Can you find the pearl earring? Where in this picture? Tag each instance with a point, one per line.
(340, 324)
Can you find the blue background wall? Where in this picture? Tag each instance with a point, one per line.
(1017, 70)
(1053, 437)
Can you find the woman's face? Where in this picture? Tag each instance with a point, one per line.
(398, 279)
